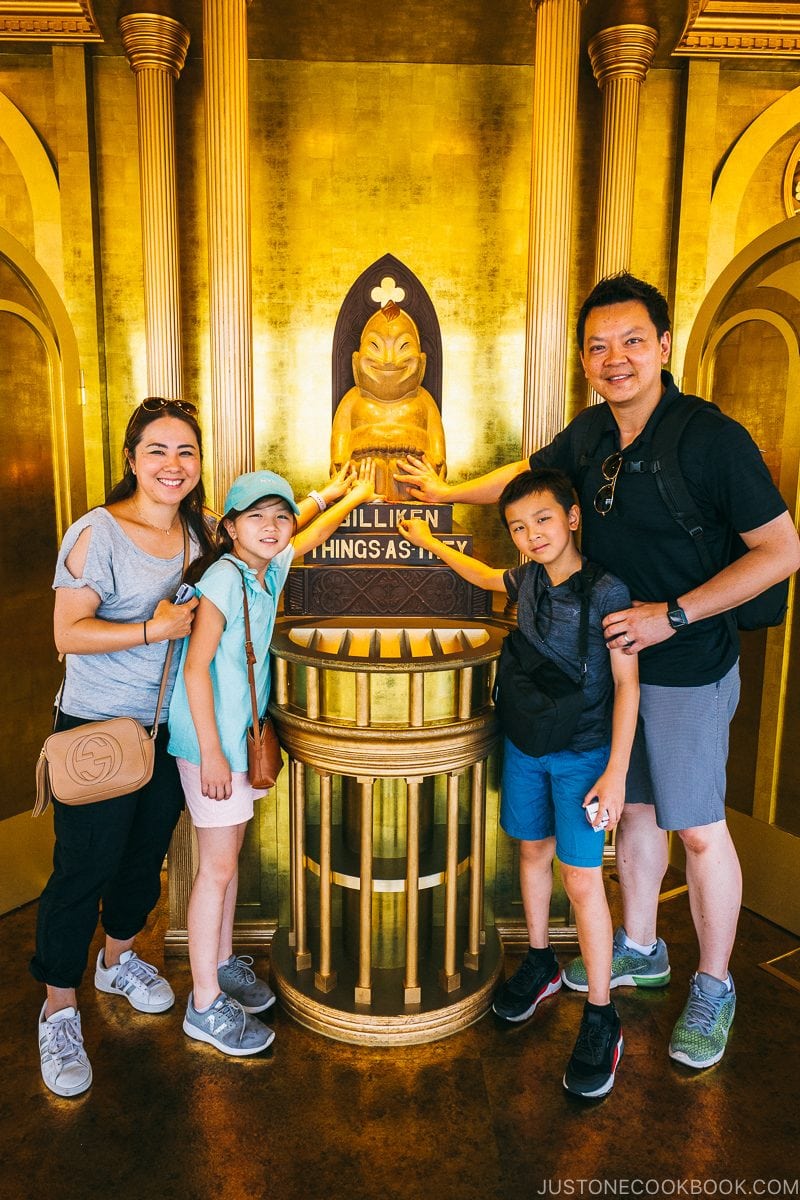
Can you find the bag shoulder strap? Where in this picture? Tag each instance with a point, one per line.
(249, 653)
(171, 645)
(589, 575)
(595, 420)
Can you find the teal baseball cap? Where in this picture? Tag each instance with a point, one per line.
(253, 486)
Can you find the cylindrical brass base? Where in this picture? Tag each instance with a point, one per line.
(381, 1024)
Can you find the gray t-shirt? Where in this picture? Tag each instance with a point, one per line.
(549, 618)
(130, 584)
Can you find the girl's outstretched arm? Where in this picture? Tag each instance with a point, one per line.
(362, 490)
(336, 487)
(215, 771)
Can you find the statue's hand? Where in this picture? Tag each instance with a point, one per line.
(423, 481)
(417, 531)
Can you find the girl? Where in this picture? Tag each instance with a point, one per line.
(118, 570)
(209, 716)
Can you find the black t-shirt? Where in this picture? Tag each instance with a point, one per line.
(641, 543)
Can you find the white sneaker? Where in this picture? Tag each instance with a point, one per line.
(65, 1068)
(138, 981)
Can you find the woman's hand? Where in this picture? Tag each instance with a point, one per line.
(417, 531)
(422, 480)
(170, 622)
(215, 776)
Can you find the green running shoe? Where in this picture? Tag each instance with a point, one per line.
(701, 1031)
(629, 968)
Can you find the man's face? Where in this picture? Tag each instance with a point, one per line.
(623, 355)
(389, 364)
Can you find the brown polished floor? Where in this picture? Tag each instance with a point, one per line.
(481, 1116)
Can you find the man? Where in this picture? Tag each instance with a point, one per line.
(688, 651)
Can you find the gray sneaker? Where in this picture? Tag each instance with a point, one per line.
(65, 1068)
(227, 1026)
(629, 968)
(701, 1031)
(237, 979)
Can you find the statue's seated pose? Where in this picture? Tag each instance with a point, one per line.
(388, 414)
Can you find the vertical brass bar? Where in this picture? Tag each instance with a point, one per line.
(281, 678)
(302, 955)
(362, 700)
(412, 993)
(312, 693)
(464, 693)
(416, 699)
(363, 990)
(449, 977)
(325, 977)
(472, 953)
(292, 872)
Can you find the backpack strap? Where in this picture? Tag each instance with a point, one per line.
(595, 420)
(589, 575)
(666, 470)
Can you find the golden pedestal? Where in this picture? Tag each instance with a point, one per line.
(388, 726)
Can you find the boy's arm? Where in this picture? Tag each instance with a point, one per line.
(472, 569)
(215, 771)
(610, 787)
(362, 491)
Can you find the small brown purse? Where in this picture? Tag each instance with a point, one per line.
(264, 758)
(99, 760)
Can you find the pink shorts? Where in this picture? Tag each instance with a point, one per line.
(216, 814)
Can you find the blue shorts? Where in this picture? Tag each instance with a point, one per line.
(542, 797)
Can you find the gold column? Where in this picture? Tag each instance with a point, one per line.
(555, 100)
(302, 954)
(363, 990)
(228, 192)
(449, 976)
(621, 57)
(156, 47)
(412, 992)
(325, 977)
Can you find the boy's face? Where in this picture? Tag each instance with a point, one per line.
(543, 531)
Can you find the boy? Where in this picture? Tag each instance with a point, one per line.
(543, 799)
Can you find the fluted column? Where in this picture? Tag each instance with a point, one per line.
(156, 47)
(555, 99)
(621, 57)
(228, 191)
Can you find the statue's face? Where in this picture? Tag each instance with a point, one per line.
(389, 364)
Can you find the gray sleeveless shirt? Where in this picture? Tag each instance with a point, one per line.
(130, 584)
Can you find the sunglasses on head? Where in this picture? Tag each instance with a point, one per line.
(604, 499)
(157, 403)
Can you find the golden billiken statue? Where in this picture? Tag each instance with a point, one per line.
(388, 414)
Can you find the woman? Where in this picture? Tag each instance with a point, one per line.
(117, 575)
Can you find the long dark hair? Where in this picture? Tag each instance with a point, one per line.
(192, 507)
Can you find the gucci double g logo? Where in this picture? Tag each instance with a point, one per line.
(95, 758)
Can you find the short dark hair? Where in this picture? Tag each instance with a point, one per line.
(619, 289)
(531, 483)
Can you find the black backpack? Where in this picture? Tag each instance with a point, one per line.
(767, 609)
(538, 704)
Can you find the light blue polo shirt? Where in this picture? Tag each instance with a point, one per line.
(222, 585)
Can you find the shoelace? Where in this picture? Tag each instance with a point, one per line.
(139, 972)
(64, 1039)
(241, 968)
(231, 1011)
(591, 1043)
(702, 1010)
(527, 973)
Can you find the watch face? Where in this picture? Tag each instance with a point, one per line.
(677, 618)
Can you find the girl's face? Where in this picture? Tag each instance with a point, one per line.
(166, 461)
(262, 531)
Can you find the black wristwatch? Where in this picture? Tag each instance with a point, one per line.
(675, 615)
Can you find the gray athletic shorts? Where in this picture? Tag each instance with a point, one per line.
(680, 751)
